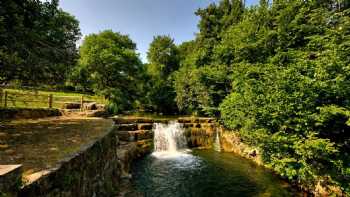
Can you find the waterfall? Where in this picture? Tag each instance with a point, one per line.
(216, 145)
(169, 139)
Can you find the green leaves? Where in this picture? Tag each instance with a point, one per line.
(290, 87)
(109, 66)
(200, 90)
(37, 42)
(163, 56)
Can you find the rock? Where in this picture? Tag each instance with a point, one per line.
(206, 120)
(252, 154)
(128, 136)
(185, 120)
(71, 106)
(130, 120)
(3, 146)
(97, 113)
(127, 127)
(143, 134)
(133, 136)
(187, 125)
(35, 176)
(10, 178)
(90, 106)
(147, 126)
(3, 134)
(126, 154)
(161, 120)
(24, 113)
(100, 107)
(144, 147)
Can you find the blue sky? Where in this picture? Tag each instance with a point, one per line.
(140, 19)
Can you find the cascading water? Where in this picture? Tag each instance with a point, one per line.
(216, 145)
(173, 171)
(169, 140)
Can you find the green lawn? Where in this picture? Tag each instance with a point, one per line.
(40, 99)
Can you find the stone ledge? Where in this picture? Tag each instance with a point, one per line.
(195, 120)
(145, 126)
(127, 127)
(132, 136)
(92, 171)
(24, 113)
(5, 169)
(131, 120)
(10, 178)
(35, 176)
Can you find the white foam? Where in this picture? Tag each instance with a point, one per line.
(172, 154)
(169, 138)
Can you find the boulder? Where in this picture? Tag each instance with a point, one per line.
(90, 106)
(100, 106)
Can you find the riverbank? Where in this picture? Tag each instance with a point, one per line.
(231, 141)
(201, 133)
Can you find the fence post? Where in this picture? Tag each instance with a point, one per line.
(50, 101)
(81, 103)
(5, 101)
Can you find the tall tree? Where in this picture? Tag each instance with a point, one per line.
(163, 60)
(162, 56)
(37, 42)
(113, 66)
(279, 72)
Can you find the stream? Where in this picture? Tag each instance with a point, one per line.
(174, 171)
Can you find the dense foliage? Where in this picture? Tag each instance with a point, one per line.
(163, 60)
(109, 66)
(279, 74)
(37, 42)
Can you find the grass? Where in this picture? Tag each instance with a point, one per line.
(19, 98)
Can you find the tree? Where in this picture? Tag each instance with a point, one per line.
(163, 60)
(278, 74)
(113, 66)
(201, 90)
(162, 57)
(37, 42)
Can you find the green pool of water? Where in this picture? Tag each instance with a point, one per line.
(205, 173)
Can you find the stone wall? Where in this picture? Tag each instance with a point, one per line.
(10, 179)
(199, 132)
(94, 171)
(230, 141)
(18, 113)
(135, 140)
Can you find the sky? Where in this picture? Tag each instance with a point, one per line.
(140, 19)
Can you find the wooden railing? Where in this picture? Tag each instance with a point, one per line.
(40, 100)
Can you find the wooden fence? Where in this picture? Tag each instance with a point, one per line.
(40, 100)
